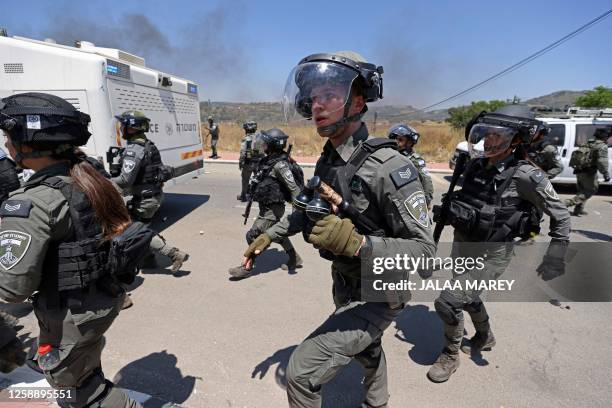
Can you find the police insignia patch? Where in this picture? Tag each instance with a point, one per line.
(13, 246)
(550, 191)
(288, 176)
(128, 165)
(416, 205)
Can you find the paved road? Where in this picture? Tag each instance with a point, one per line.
(202, 340)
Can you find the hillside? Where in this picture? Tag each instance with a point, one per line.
(271, 112)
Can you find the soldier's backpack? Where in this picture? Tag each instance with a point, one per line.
(582, 158)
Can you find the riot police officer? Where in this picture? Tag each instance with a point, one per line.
(502, 198)
(586, 170)
(272, 185)
(389, 217)
(544, 153)
(406, 138)
(9, 180)
(142, 176)
(55, 235)
(213, 130)
(249, 157)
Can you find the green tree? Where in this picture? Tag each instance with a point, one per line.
(461, 115)
(600, 97)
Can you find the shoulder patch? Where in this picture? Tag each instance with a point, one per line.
(13, 246)
(130, 153)
(550, 191)
(128, 165)
(537, 175)
(16, 208)
(416, 205)
(403, 175)
(288, 175)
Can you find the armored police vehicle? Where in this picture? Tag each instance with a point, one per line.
(568, 131)
(104, 82)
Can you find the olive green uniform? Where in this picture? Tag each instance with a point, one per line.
(77, 333)
(586, 180)
(213, 129)
(547, 158)
(272, 213)
(424, 176)
(247, 162)
(143, 200)
(355, 328)
(527, 184)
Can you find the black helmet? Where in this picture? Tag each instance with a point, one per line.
(250, 126)
(342, 69)
(275, 139)
(48, 120)
(403, 130)
(133, 119)
(505, 125)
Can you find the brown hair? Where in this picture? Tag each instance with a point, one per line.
(105, 200)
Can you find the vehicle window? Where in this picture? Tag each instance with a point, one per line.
(556, 135)
(583, 132)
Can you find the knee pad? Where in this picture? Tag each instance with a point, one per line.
(450, 314)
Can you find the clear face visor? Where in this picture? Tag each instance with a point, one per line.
(489, 140)
(323, 85)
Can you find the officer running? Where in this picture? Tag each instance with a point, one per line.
(142, 176)
(213, 130)
(273, 184)
(502, 198)
(249, 158)
(594, 159)
(54, 249)
(406, 138)
(332, 90)
(544, 154)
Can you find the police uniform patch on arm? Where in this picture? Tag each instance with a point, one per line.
(128, 165)
(13, 246)
(416, 205)
(537, 176)
(550, 191)
(403, 176)
(288, 175)
(16, 208)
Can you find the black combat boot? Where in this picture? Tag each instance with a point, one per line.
(294, 262)
(481, 341)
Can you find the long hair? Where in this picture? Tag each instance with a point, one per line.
(105, 200)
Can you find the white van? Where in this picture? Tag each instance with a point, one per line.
(572, 130)
(105, 82)
(568, 131)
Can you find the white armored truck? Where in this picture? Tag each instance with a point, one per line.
(105, 82)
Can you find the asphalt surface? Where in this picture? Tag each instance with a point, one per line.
(202, 340)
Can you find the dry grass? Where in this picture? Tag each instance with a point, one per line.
(437, 141)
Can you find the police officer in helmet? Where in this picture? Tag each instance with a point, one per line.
(213, 130)
(333, 89)
(142, 177)
(55, 235)
(272, 184)
(502, 198)
(249, 157)
(544, 154)
(406, 138)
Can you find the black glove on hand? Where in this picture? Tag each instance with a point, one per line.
(553, 263)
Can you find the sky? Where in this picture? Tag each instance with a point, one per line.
(242, 51)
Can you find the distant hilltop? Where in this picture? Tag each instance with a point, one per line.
(271, 112)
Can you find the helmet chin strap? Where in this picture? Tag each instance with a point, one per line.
(333, 128)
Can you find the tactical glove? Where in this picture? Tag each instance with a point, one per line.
(260, 244)
(606, 178)
(553, 263)
(336, 235)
